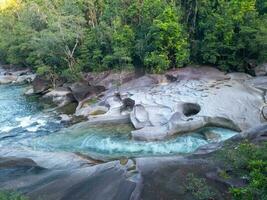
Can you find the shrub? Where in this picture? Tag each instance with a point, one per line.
(199, 188)
(250, 161)
(6, 195)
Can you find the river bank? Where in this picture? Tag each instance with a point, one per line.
(160, 108)
(129, 116)
(27, 122)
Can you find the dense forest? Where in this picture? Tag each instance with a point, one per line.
(63, 37)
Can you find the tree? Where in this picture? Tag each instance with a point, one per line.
(168, 40)
(69, 37)
(222, 33)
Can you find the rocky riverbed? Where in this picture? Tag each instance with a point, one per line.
(160, 109)
(184, 100)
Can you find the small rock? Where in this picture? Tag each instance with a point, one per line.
(29, 92)
(21, 72)
(60, 96)
(40, 85)
(68, 109)
(171, 78)
(25, 78)
(65, 118)
(128, 104)
(261, 70)
(139, 117)
(7, 79)
(211, 136)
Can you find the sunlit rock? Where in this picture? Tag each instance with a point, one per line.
(261, 70)
(201, 97)
(6, 79)
(60, 96)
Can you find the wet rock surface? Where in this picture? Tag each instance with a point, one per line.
(54, 176)
(261, 70)
(60, 96)
(190, 99)
(8, 76)
(57, 176)
(109, 79)
(82, 90)
(40, 85)
(104, 181)
(158, 107)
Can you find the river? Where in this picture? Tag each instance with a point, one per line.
(26, 123)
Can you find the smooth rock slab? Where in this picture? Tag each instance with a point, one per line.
(234, 103)
(150, 178)
(200, 97)
(60, 96)
(261, 70)
(7, 79)
(109, 181)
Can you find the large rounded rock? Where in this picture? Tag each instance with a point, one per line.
(40, 85)
(25, 78)
(21, 72)
(201, 97)
(196, 73)
(109, 79)
(261, 70)
(128, 104)
(144, 81)
(60, 96)
(143, 116)
(83, 90)
(29, 92)
(140, 117)
(258, 82)
(6, 79)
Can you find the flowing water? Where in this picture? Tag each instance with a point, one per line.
(25, 123)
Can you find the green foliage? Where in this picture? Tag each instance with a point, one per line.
(250, 161)
(168, 41)
(42, 34)
(227, 34)
(199, 188)
(157, 62)
(96, 35)
(4, 195)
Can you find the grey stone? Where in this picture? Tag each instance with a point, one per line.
(211, 136)
(201, 97)
(6, 79)
(60, 96)
(40, 85)
(82, 90)
(261, 70)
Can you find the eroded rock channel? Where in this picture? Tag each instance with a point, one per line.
(142, 125)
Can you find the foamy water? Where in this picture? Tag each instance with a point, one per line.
(22, 118)
(115, 141)
(25, 123)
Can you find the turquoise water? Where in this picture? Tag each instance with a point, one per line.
(21, 117)
(25, 123)
(115, 141)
